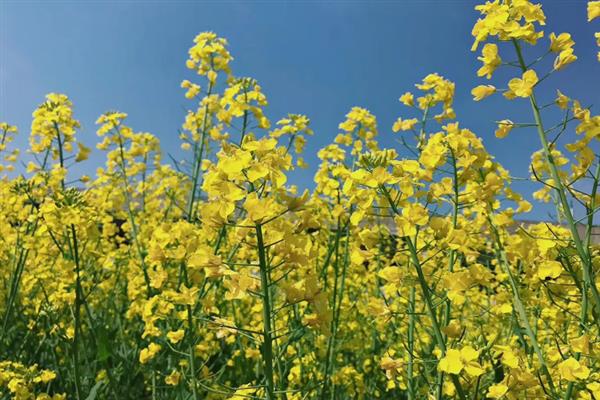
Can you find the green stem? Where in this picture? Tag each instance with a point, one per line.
(60, 152)
(584, 297)
(422, 132)
(134, 229)
(78, 301)
(267, 352)
(192, 355)
(582, 250)
(518, 304)
(326, 379)
(431, 310)
(411, 343)
(451, 257)
(198, 160)
(337, 309)
(191, 332)
(426, 292)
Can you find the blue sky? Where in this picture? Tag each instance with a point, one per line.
(314, 58)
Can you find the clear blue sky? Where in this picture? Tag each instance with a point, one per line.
(315, 58)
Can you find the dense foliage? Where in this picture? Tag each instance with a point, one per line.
(396, 277)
